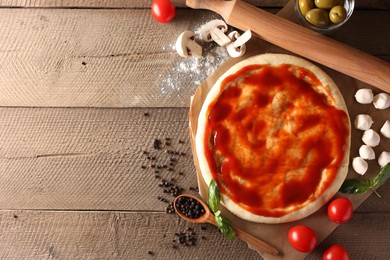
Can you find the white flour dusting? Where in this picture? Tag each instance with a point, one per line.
(188, 73)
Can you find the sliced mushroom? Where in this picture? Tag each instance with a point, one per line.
(187, 46)
(215, 31)
(237, 46)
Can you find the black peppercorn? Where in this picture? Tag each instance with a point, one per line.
(190, 207)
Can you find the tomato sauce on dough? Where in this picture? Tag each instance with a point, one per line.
(274, 138)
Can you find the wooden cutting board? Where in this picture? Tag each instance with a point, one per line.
(276, 234)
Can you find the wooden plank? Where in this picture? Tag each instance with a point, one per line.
(375, 203)
(365, 21)
(91, 158)
(50, 157)
(115, 3)
(122, 235)
(108, 235)
(372, 4)
(88, 57)
(105, 58)
(366, 236)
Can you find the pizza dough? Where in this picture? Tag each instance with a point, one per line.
(274, 133)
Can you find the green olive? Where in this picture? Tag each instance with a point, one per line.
(305, 6)
(318, 17)
(328, 4)
(337, 14)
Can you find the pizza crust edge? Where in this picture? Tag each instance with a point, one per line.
(273, 59)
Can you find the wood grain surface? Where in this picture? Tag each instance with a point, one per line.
(98, 58)
(373, 4)
(125, 235)
(90, 158)
(86, 87)
(107, 235)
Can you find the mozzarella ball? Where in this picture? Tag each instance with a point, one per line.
(384, 158)
(381, 101)
(364, 96)
(385, 130)
(371, 138)
(359, 165)
(366, 152)
(363, 122)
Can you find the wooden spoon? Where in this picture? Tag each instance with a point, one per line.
(300, 40)
(207, 217)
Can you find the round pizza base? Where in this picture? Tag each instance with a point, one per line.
(273, 60)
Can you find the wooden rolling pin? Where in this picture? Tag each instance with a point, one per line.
(300, 40)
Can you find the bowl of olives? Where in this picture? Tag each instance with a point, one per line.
(323, 15)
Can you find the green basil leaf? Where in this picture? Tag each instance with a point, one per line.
(213, 197)
(224, 225)
(229, 230)
(382, 176)
(218, 218)
(354, 186)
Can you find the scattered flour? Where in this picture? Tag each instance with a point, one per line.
(189, 72)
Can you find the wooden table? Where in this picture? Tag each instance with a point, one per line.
(86, 88)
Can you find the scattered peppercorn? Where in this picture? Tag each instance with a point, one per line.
(187, 238)
(157, 144)
(161, 167)
(146, 114)
(194, 189)
(170, 209)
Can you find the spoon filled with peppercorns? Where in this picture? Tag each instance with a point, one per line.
(196, 210)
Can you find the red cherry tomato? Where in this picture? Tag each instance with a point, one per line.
(163, 10)
(302, 238)
(335, 252)
(340, 210)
